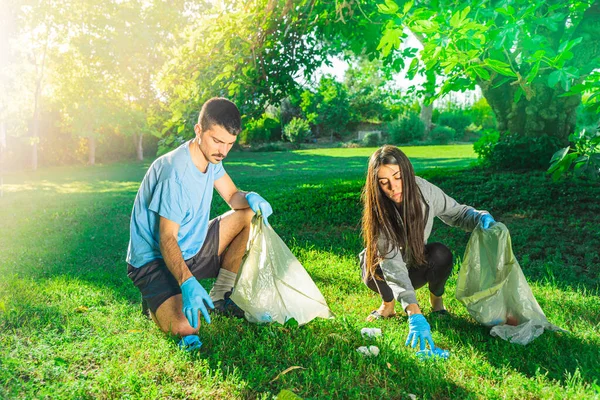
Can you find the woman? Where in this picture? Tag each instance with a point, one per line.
(398, 214)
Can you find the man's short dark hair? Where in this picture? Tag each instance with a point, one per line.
(221, 112)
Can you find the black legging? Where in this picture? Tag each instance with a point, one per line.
(436, 272)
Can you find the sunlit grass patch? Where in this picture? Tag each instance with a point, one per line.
(71, 326)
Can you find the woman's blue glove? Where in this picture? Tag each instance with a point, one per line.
(419, 331)
(194, 296)
(486, 220)
(257, 203)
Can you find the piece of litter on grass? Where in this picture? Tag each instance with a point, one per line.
(81, 309)
(412, 396)
(370, 332)
(368, 351)
(285, 371)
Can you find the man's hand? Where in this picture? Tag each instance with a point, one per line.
(257, 203)
(194, 296)
(486, 220)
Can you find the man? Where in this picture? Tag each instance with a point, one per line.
(173, 243)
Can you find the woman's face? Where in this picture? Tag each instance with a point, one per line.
(389, 178)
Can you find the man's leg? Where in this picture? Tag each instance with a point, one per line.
(234, 230)
(170, 318)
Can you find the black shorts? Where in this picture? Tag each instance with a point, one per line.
(156, 282)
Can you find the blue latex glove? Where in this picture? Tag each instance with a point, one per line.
(419, 331)
(190, 343)
(257, 203)
(486, 220)
(436, 352)
(194, 296)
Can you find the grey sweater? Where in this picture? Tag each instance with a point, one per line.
(436, 203)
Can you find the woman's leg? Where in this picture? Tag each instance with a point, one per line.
(381, 287)
(435, 273)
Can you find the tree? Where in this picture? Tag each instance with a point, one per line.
(532, 59)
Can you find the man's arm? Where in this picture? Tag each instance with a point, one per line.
(170, 250)
(230, 193)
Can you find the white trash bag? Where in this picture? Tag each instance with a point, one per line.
(493, 288)
(272, 286)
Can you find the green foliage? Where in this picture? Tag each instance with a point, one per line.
(580, 160)
(457, 120)
(406, 129)
(515, 152)
(297, 131)
(442, 134)
(371, 139)
(482, 43)
(261, 130)
(484, 146)
(328, 108)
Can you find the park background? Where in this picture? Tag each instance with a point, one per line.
(495, 102)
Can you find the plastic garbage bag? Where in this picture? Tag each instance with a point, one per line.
(492, 286)
(272, 285)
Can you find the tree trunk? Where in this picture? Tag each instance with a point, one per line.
(426, 115)
(544, 114)
(139, 148)
(92, 150)
(35, 137)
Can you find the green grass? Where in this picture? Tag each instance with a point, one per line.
(71, 327)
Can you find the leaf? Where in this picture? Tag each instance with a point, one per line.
(286, 394)
(481, 72)
(560, 154)
(518, 94)
(568, 45)
(412, 70)
(390, 7)
(407, 7)
(554, 77)
(500, 67)
(285, 371)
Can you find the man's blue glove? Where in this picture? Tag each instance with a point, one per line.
(194, 296)
(486, 220)
(257, 203)
(419, 331)
(190, 343)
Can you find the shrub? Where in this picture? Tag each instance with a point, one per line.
(580, 160)
(456, 120)
(297, 131)
(270, 147)
(484, 146)
(442, 134)
(371, 139)
(517, 152)
(262, 130)
(408, 128)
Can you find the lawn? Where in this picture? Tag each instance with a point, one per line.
(71, 326)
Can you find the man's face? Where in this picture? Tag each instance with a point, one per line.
(389, 178)
(215, 142)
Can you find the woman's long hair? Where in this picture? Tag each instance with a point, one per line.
(402, 227)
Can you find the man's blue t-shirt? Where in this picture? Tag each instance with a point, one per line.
(175, 189)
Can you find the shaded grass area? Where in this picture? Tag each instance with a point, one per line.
(70, 325)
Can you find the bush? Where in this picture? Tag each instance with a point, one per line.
(297, 131)
(442, 134)
(456, 120)
(371, 139)
(581, 159)
(408, 128)
(517, 152)
(484, 146)
(270, 147)
(262, 130)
